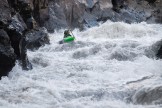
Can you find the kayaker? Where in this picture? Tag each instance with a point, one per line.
(67, 33)
(67, 37)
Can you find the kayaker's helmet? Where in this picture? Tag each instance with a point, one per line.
(66, 32)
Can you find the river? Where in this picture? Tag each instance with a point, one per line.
(102, 69)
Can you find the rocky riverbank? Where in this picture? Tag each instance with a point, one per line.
(20, 20)
(87, 13)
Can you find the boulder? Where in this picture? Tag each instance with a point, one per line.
(77, 13)
(5, 14)
(148, 95)
(40, 11)
(159, 53)
(7, 55)
(87, 13)
(15, 31)
(37, 38)
(57, 19)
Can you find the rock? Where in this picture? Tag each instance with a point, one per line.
(15, 32)
(117, 4)
(57, 18)
(148, 95)
(40, 11)
(7, 55)
(5, 14)
(37, 38)
(151, 1)
(155, 50)
(25, 9)
(159, 49)
(31, 23)
(17, 18)
(26, 65)
(87, 13)
(75, 14)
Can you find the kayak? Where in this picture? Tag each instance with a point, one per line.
(67, 39)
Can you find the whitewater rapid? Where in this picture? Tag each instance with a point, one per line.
(95, 71)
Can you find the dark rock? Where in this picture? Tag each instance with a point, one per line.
(87, 13)
(151, 1)
(5, 14)
(40, 11)
(149, 95)
(26, 65)
(37, 38)
(15, 32)
(159, 49)
(117, 5)
(7, 55)
(16, 18)
(31, 23)
(57, 18)
(73, 14)
(25, 9)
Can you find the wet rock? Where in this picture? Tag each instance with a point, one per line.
(159, 52)
(40, 11)
(148, 95)
(156, 50)
(31, 23)
(71, 14)
(5, 14)
(26, 65)
(37, 38)
(17, 17)
(151, 1)
(57, 18)
(117, 5)
(25, 9)
(88, 13)
(15, 32)
(7, 55)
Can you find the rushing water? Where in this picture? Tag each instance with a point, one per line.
(95, 71)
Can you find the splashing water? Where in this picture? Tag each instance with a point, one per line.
(95, 71)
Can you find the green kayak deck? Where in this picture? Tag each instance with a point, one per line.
(69, 39)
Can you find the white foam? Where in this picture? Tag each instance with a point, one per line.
(92, 72)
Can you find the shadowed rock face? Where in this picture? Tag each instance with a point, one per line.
(15, 31)
(75, 13)
(5, 15)
(18, 17)
(87, 13)
(7, 55)
(37, 38)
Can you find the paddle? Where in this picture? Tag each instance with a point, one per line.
(72, 34)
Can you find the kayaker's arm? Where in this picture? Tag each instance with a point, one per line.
(72, 33)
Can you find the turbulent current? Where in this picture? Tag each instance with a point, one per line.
(103, 68)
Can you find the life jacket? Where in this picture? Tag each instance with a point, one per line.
(66, 35)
